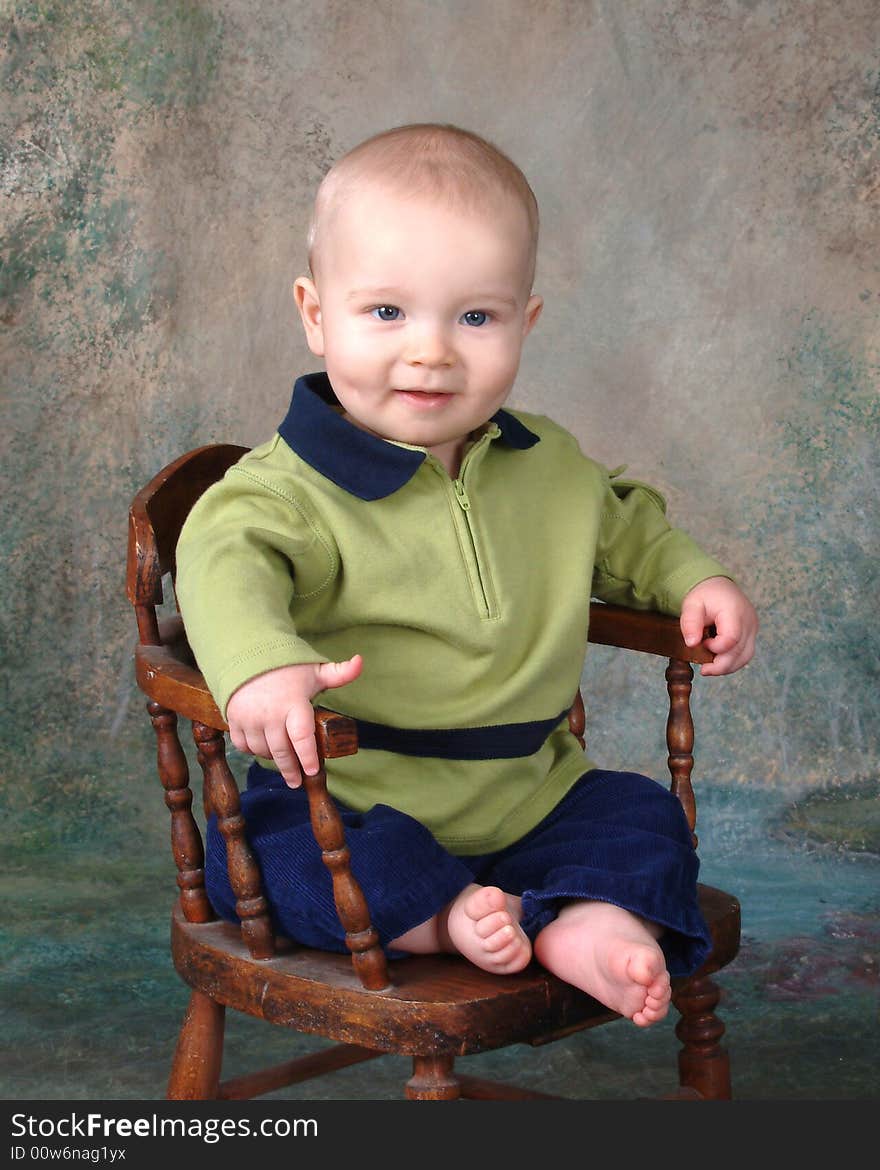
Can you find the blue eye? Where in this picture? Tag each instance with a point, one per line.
(386, 312)
(475, 317)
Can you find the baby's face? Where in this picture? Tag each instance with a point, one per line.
(419, 311)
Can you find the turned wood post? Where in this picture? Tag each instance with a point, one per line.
(702, 1063)
(198, 1058)
(680, 737)
(368, 958)
(577, 719)
(433, 1079)
(244, 873)
(186, 840)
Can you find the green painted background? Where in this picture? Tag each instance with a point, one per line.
(709, 184)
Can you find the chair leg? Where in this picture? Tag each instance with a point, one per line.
(703, 1065)
(195, 1073)
(433, 1079)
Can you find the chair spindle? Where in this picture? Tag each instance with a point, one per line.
(367, 956)
(577, 719)
(186, 840)
(244, 873)
(680, 737)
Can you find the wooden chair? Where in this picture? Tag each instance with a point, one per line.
(433, 1008)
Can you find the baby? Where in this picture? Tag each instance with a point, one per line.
(417, 556)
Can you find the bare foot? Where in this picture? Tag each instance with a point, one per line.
(612, 955)
(482, 924)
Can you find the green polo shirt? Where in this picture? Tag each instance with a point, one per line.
(468, 599)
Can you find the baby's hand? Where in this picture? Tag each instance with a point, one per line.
(271, 715)
(717, 601)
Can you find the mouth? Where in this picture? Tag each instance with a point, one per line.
(425, 399)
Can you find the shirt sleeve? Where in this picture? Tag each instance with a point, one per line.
(241, 556)
(642, 561)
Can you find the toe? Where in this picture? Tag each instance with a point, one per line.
(659, 990)
(492, 923)
(500, 939)
(513, 955)
(646, 966)
(485, 900)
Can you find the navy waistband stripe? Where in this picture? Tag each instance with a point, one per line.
(503, 741)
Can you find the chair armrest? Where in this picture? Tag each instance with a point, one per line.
(643, 630)
(169, 675)
(163, 673)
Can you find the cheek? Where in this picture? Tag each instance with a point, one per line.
(500, 362)
(346, 344)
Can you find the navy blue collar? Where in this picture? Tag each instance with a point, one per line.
(364, 465)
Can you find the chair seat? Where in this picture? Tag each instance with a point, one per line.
(437, 1005)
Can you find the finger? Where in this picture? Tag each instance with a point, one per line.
(238, 737)
(746, 651)
(307, 753)
(725, 639)
(254, 742)
(282, 752)
(339, 674)
(693, 622)
(301, 732)
(727, 663)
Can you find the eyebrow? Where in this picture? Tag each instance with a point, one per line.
(372, 294)
(395, 294)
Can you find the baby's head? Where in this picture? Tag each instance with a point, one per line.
(429, 161)
(422, 255)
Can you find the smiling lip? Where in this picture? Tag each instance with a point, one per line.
(425, 398)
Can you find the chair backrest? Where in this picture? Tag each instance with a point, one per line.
(156, 517)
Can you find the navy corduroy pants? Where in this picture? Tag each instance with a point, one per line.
(616, 837)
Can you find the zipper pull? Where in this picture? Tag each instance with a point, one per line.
(461, 495)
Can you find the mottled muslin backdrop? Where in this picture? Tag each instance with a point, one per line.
(707, 172)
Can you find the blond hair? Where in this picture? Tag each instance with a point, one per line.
(431, 159)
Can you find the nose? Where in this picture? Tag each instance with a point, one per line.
(428, 345)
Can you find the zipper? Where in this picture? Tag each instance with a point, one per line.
(464, 500)
(477, 572)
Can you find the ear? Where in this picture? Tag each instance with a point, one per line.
(533, 308)
(309, 304)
